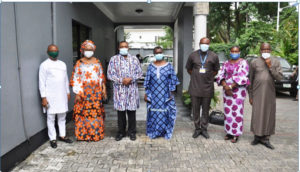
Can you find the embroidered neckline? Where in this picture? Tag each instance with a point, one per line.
(160, 66)
(158, 69)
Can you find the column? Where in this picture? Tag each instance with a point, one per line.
(201, 10)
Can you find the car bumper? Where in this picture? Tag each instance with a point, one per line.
(285, 85)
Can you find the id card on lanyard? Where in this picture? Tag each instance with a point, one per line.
(202, 69)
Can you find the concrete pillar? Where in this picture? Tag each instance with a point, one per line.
(201, 10)
(175, 49)
(184, 31)
(120, 34)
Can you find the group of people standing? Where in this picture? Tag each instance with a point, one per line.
(89, 86)
(237, 78)
(88, 82)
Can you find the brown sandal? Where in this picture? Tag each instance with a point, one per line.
(235, 139)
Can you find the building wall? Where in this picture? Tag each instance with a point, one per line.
(31, 37)
(88, 14)
(185, 44)
(144, 38)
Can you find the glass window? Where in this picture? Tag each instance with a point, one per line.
(284, 63)
(80, 33)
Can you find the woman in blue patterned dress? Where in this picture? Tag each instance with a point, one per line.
(160, 82)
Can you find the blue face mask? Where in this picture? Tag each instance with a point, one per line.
(159, 57)
(204, 47)
(124, 51)
(234, 56)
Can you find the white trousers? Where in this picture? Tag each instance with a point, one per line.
(61, 120)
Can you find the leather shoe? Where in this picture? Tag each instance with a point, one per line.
(132, 137)
(268, 144)
(205, 134)
(119, 136)
(65, 139)
(53, 144)
(254, 142)
(196, 133)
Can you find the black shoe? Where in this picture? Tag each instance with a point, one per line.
(119, 136)
(53, 144)
(254, 142)
(268, 144)
(65, 139)
(132, 137)
(228, 137)
(205, 134)
(196, 133)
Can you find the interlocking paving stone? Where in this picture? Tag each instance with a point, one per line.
(180, 154)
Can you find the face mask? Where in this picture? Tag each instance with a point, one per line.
(53, 54)
(266, 55)
(204, 47)
(88, 54)
(123, 51)
(234, 56)
(159, 57)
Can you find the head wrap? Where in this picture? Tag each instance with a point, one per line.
(85, 43)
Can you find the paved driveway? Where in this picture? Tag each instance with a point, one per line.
(182, 153)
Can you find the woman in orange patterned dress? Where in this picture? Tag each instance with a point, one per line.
(88, 82)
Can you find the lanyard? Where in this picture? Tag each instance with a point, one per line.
(201, 59)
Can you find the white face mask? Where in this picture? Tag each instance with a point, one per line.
(266, 55)
(124, 51)
(88, 54)
(204, 47)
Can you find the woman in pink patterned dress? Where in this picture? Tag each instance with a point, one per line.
(233, 78)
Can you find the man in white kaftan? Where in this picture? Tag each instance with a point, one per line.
(54, 89)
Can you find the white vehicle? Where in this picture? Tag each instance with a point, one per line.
(150, 59)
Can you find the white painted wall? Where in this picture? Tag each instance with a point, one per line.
(143, 38)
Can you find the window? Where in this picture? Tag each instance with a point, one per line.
(80, 33)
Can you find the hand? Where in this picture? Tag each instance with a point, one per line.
(215, 73)
(44, 102)
(251, 101)
(69, 96)
(234, 85)
(126, 81)
(78, 98)
(268, 62)
(227, 88)
(172, 94)
(145, 98)
(229, 92)
(104, 92)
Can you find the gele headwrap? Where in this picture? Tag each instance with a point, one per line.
(87, 42)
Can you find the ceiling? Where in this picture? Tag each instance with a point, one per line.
(155, 12)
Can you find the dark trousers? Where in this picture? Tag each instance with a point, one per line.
(199, 103)
(131, 122)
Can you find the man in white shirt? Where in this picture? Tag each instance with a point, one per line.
(55, 93)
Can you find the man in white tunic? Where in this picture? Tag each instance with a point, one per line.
(54, 89)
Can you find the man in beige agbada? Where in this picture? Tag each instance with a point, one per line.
(263, 71)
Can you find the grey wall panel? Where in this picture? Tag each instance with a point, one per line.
(11, 122)
(89, 15)
(34, 35)
(185, 41)
(188, 42)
